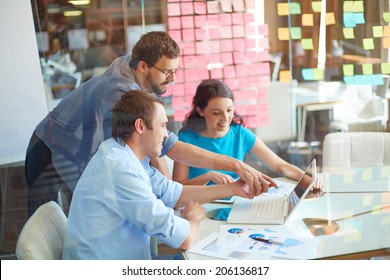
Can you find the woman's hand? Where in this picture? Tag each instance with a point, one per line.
(219, 178)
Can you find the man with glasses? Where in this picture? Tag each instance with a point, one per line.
(67, 138)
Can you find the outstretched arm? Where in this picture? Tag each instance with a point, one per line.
(194, 156)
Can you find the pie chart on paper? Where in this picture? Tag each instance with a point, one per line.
(236, 231)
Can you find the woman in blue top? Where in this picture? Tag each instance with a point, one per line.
(213, 125)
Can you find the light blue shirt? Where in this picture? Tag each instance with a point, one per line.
(74, 129)
(236, 143)
(119, 202)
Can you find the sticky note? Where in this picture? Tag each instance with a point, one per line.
(330, 18)
(173, 9)
(368, 44)
(385, 172)
(385, 69)
(348, 69)
(283, 9)
(359, 18)
(316, 6)
(296, 33)
(283, 33)
(377, 31)
(367, 69)
(285, 76)
(358, 7)
(307, 44)
(238, 6)
(200, 8)
(295, 8)
(187, 8)
(212, 7)
(263, 30)
(386, 31)
(307, 20)
(367, 175)
(226, 6)
(307, 74)
(349, 20)
(238, 31)
(348, 6)
(348, 178)
(386, 17)
(367, 199)
(349, 80)
(386, 42)
(349, 33)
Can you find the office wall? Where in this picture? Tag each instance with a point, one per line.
(23, 102)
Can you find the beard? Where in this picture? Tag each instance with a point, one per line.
(155, 88)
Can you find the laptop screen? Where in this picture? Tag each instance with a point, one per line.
(303, 186)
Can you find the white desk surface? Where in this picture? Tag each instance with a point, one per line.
(357, 234)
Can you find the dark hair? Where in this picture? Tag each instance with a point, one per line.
(133, 105)
(205, 91)
(152, 46)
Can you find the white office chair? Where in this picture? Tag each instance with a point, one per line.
(348, 150)
(43, 234)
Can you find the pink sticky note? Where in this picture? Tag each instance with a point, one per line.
(265, 68)
(173, 9)
(240, 108)
(201, 47)
(213, 7)
(202, 74)
(232, 83)
(190, 88)
(229, 72)
(227, 45)
(174, 22)
(239, 57)
(226, 6)
(216, 73)
(214, 58)
(201, 61)
(239, 44)
(265, 81)
(241, 70)
(188, 48)
(213, 33)
(179, 115)
(200, 21)
(250, 43)
(187, 9)
(252, 57)
(264, 43)
(187, 22)
(242, 81)
(226, 32)
(227, 58)
(189, 61)
(212, 20)
(200, 8)
(215, 47)
(178, 90)
(252, 81)
(249, 18)
(225, 19)
(175, 34)
(250, 30)
(252, 109)
(200, 34)
(179, 77)
(263, 30)
(238, 6)
(188, 34)
(237, 19)
(238, 31)
(264, 55)
(189, 74)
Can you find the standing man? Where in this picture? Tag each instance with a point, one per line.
(67, 138)
(120, 201)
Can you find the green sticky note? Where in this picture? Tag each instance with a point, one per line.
(358, 6)
(316, 6)
(386, 17)
(377, 31)
(348, 69)
(368, 43)
(349, 33)
(367, 199)
(367, 69)
(385, 172)
(367, 175)
(295, 33)
(318, 74)
(307, 44)
(385, 68)
(348, 6)
(295, 8)
(348, 178)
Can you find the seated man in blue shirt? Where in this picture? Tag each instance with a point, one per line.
(121, 201)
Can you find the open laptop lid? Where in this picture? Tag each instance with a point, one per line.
(304, 185)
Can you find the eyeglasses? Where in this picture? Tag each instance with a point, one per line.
(169, 72)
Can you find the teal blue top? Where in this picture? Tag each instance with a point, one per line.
(236, 143)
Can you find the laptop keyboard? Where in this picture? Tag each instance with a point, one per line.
(266, 207)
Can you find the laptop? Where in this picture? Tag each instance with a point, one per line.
(272, 209)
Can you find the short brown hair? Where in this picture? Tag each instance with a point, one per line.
(133, 105)
(152, 46)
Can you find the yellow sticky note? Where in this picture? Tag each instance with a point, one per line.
(283, 9)
(330, 19)
(376, 209)
(377, 31)
(348, 70)
(318, 74)
(386, 42)
(349, 33)
(348, 178)
(316, 6)
(367, 69)
(358, 6)
(386, 31)
(386, 17)
(385, 172)
(367, 174)
(367, 199)
(348, 6)
(307, 20)
(285, 76)
(307, 44)
(283, 33)
(368, 44)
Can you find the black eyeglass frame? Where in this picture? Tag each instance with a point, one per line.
(169, 72)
